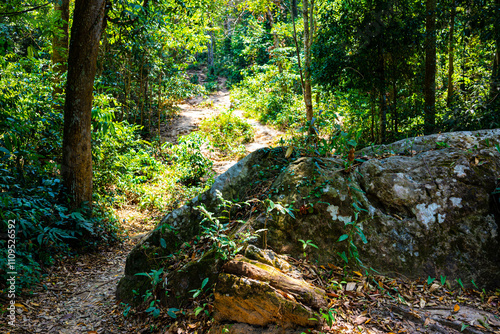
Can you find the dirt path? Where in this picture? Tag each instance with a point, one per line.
(79, 295)
(196, 109)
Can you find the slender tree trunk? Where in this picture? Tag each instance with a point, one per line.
(210, 49)
(430, 68)
(308, 16)
(495, 73)
(383, 99)
(141, 96)
(449, 99)
(60, 48)
(294, 8)
(395, 107)
(159, 106)
(372, 127)
(76, 169)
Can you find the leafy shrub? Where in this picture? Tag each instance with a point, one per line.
(270, 96)
(227, 133)
(130, 170)
(191, 163)
(31, 192)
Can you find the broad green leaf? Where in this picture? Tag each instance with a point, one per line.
(205, 281)
(343, 237)
(163, 243)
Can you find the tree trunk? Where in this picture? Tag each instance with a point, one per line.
(307, 14)
(430, 68)
(449, 99)
(294, 8)
(495, 73)
(372, 109)
(159, 105)
(60, 48)
(383, 99)
(395, 108)
(76, 169)
(210, 47)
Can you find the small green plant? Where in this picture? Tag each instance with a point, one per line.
(443, 280)
(430, 280)
(197, 292)
(353, 228)
(459, 281)
(329, 316)
(440, 144)
(211, 86)
(126, 309)
(336, 285)
(306, 244)
(155, 277)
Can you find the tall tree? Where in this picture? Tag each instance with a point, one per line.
(88, 24)
(430, 67)
(451, 51)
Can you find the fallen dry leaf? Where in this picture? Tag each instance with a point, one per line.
(456, 308)
(360, 320)
(434, 287)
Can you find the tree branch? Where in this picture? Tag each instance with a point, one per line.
(23, 11)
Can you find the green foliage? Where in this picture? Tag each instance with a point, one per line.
(306, 244)
(220, 230)
(128, 169)
(270, 96)
(31, 193)
(151, 296)
(329, 316)
(227, 133)
(191, 164)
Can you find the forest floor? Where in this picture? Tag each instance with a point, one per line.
(78, 296)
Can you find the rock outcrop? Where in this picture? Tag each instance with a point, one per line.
(420, 207)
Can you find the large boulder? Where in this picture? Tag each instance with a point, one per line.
(426, 206)
(420, 207)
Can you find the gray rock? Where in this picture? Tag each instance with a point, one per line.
(428, 211)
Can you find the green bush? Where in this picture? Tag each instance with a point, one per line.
(130, 170)
(31, 191)
(270, 96)
(227, 133)
(190, 162)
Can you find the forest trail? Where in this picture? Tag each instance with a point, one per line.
(194, 110)
(78, 296)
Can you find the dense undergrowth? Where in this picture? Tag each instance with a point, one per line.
(127, 170)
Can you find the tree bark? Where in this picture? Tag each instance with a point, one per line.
(383, 98)
(430, 68)
(495, 72)
(395, 115)
(307, 15)
(76, 169)
(294, 8)
(449, 99)
(60, 48)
